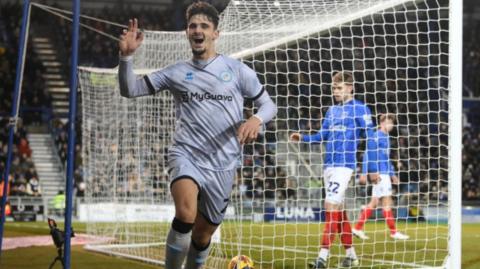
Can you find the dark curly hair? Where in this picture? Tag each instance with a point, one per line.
(205, 9)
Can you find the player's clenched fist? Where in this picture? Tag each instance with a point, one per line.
(248, 131)
(395, 180)
(130, 39)
(362, 179)
(296, 137)
(374, 178)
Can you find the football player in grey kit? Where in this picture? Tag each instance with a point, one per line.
(209, 91)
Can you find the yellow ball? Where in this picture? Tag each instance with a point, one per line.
(241, 262)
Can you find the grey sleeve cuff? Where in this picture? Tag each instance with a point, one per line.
(130, 86)
(266, 108)
(126, 58)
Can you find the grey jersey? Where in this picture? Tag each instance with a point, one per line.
(209, 97)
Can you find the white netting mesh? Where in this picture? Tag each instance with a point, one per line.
(398, 52)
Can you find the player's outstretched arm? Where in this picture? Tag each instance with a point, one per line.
(130, 86)
(318, 137)
(362, 179)
(296, 137)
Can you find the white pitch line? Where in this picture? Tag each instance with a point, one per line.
(314, 253)
(29, 225)
(414, 265)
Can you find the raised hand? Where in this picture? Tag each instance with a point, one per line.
(295, 137)
(130, 39)
(362, 179)
(374, 177)
(395, 180)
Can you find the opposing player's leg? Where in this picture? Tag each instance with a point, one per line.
(184, 192)
(332, 221)
(364, 215)
(200, 243)
(336, 181)
(390, 220)
(345, 230)
(384, 193)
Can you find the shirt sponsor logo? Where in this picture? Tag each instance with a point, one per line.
(190, 96)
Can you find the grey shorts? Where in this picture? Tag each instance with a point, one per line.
(215, 186)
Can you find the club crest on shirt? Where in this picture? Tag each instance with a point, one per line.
(189, 76)
(226, 76)
(368, 119)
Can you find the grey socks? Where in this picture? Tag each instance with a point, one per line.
(197, 256)
(178, 241)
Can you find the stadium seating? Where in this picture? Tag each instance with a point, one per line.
(34, 97)
(23, 176)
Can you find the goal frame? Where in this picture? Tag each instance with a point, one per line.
(454, 259)
(454, 115)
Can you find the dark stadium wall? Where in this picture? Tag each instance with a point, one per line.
(131, 3)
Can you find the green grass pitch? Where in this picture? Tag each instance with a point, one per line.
(299, 245)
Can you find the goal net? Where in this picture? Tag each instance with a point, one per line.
(398, 53)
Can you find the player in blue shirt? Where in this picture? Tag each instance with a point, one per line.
(209, 92)
(342, 127)
(382, 190)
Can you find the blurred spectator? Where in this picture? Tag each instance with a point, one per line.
(33, 187)
(58, 204)
(34, 98)
(60, 135)
(471, 57)
(24, 148)
(23, 178)
(471, 164)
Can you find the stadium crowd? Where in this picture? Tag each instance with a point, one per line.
(471, 58)
(23, 178)
(413, 92)
(471, 122)
(35, 97)
(101, 51)
(471, 164)
(60, 135)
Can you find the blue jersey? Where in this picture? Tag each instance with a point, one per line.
(379, 159)
(342, 128)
